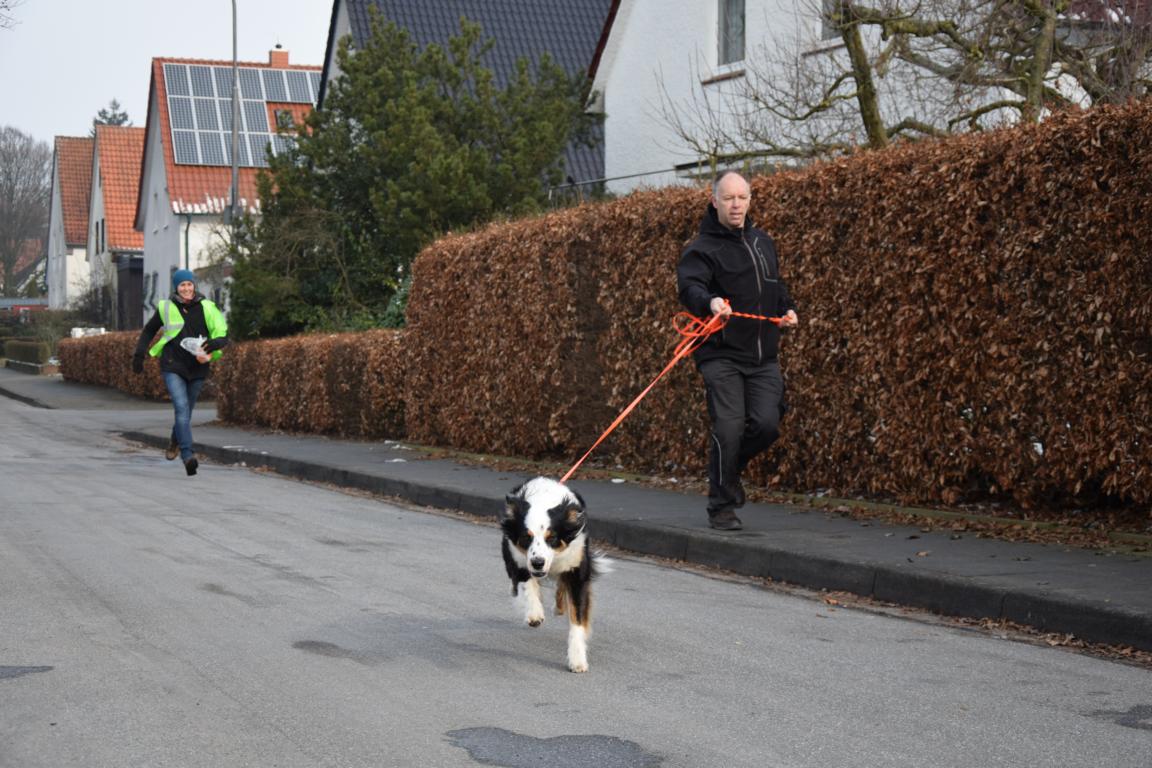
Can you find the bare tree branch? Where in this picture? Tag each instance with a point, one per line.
(911, 69)
(25, 165)
(7, 20)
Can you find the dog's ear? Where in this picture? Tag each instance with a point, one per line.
(574, 513)
(513, 503)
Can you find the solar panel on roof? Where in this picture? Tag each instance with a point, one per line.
(200, 111)
(223, 81)
(225, 106)
(250, 84)
(255, 117)
(298, 86)
(274, 87)
(180, 112)
(184, 144)
(241, 150)
(176, 80)
(201, 81)
(259, 144)
(211, 148)
(206, 119)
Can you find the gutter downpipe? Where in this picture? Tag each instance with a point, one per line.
(187, 228)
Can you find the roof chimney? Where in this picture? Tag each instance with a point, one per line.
(278, 57)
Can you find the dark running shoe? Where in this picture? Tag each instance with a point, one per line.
(172, 451)
(190, 465)
(725, 521)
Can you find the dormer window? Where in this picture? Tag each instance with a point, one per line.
(284, 119)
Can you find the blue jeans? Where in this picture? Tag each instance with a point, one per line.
(183, 393)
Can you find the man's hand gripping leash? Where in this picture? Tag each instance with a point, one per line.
(694, 332)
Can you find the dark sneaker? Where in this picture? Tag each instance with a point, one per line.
(190, 465)
(725, 521)
(172, 451)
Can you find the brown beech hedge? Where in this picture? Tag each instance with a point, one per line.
(975, 325)
(342, 384)
(107, 360)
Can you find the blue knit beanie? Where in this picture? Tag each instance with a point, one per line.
(182, 275)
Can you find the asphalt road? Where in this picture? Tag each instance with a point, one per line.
(242, 619)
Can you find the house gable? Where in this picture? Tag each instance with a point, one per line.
(185, 187)
(66, 269)
(74, 177)
(119, 150)
(190, 127)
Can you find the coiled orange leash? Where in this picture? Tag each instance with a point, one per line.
(694, 332)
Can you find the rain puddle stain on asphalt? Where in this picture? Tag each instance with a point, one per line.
(7, 673)
(331, 650)
(1138, 717)
(496, 746)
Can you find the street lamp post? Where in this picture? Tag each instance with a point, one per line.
(232, 215)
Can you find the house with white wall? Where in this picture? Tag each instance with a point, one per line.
(692, 86)
(185, 185)
(683, 54)
(114, 247)
(67, 268)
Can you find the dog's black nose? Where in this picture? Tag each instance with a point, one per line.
(538, 563)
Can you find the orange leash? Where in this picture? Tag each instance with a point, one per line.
(694, 332)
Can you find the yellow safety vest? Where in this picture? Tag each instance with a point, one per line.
(174, 323)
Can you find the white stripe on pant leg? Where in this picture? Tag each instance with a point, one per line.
(719, 458)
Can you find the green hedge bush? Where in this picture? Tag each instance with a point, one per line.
(25, 351)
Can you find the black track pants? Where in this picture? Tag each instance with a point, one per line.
(744, 403)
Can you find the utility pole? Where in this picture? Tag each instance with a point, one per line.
(232, 212)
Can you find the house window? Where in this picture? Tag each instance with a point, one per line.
(731, 32)
(284, 119)
(829, 11)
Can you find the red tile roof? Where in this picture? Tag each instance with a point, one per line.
(298, 112)
(74, 172)
(206, 188)
(120, 151)
(31, 251)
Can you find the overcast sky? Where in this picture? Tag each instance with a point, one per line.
(64, 60)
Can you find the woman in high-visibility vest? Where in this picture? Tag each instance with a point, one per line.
(183, 319)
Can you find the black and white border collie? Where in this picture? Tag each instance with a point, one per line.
(544, 535)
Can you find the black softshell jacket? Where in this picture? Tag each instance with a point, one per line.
(742, 267)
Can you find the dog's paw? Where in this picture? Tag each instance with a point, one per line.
(577, 648)
(534, 620)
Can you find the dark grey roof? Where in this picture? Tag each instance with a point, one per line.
(568, 30)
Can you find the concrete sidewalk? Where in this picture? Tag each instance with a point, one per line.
(1103, 598)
